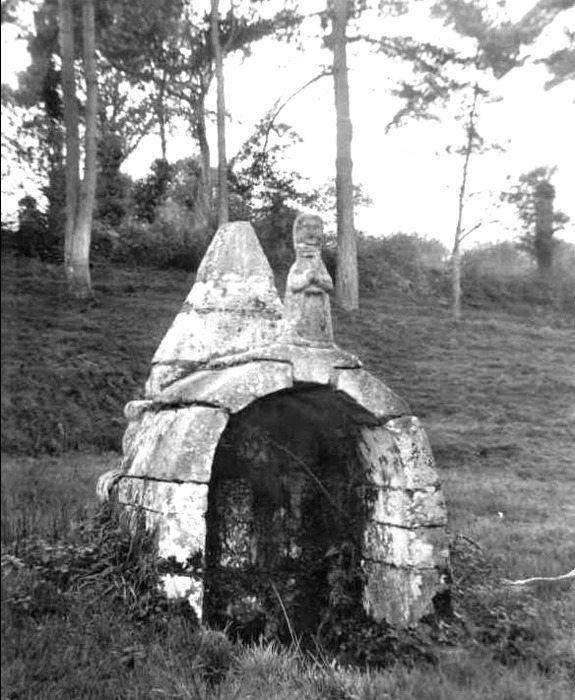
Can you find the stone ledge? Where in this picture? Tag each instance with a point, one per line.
(315, 365)
(232, 388)
(370, 393)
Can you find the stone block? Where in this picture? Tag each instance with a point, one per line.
(401, 546)
(196, 337)
(397, 455)
(408, 508)
(232, 307)
(316, 365)
(232, 388)
(380, 457)
(176, 444)
(175, 511)
(415, 451)
(401, 596)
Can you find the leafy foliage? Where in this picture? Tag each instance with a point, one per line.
(561, 63)
(523, 195)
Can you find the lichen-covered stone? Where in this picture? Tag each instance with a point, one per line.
(421, 548)
(400, 596)
(232, 388)
(140, 436)
(235, 523)
(370, 393)
(398, 455)
(415, 451)
(232, 307)
(176, 444)
(175, 511)
(317, 365)
(408, 507)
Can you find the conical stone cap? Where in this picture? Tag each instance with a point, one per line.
(232, 307)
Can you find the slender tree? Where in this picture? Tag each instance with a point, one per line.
(497, 49)
(80, 195)
(471, 138)
(223, 213)
(346, 286)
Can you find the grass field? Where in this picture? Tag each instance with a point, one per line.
(497, 397)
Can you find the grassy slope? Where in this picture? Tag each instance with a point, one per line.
(67, 372)
(496, 394)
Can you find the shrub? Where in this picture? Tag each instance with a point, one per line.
(406, 262)
(502, 272)
(174, 240)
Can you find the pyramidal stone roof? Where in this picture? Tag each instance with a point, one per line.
(233, 306)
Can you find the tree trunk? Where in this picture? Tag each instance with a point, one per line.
(456, 282)
(80, 198)
(223, 213)
(346, 288)
(71, 119)
(199, 125)
(544, 196)
(79, 278)
(161, 113)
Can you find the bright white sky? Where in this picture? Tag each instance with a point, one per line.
(412, 181)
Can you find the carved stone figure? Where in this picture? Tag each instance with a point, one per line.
(307, 305)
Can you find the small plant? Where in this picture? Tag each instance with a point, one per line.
(101, 561)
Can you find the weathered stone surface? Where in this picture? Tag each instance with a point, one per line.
(140, 434)
(162, 375)
(176, 444)
(408, 507)
(401, 596)
(134, 410)
(415, 450)
(175, 511)
(232, 307)
(235, 523)
(370, 393)
(400, 546)
(397, 455)
(232, 388)
(315, 365)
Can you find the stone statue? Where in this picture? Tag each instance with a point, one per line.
(307, 306)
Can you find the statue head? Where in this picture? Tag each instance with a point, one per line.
(308, 235)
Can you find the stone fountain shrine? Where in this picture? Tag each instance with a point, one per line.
(265, 455)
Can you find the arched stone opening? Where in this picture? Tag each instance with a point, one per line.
(276, 472)
(287, 509)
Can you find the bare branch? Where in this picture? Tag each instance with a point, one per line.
(541, 579)
(279, 106)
